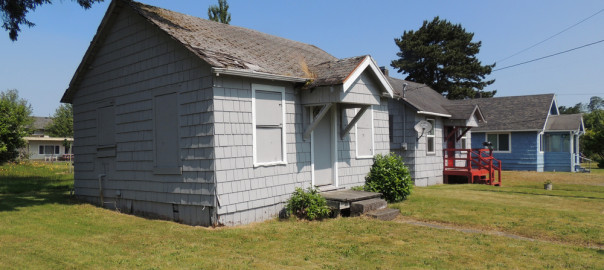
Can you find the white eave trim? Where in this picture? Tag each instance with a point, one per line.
(368, 62)
(257, 75)
(507, 131)
(434, 114)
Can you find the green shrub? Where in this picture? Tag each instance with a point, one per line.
(307, 204)
(389, 176)
(601, 164)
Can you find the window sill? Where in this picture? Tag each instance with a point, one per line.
(268, 164)
(364, 157)
(105, 151)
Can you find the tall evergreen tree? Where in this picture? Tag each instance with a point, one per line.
(220, 13)
(443, 56)
(15, 118)
(14, 13)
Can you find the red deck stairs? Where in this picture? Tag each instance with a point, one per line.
(477, 165)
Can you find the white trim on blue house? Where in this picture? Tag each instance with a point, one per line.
(498, 133)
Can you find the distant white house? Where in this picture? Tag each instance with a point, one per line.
(40, 146)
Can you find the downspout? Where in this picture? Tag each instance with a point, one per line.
(101, 176)
(405, 117)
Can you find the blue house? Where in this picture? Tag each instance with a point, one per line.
(528, 133)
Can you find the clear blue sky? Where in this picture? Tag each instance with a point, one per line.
(41, 63)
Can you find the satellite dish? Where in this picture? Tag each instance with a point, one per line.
(422, 127)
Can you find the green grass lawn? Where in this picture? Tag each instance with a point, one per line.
(45, 228)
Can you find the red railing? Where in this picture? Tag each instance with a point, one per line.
(478, 165)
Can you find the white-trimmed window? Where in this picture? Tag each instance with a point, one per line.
(541, 142)
(463, 140)
(48, 150)
(268, 120)
(501, 142)
(430, 137)
(364, 135)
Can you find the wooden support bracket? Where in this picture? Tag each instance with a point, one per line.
(354, 121)
(316, 120)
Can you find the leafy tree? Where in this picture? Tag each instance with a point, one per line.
(578, 108)
(591, 141)
(14, 13)
(443, 56)
(220, 13)
(15, 118)
(62, 122)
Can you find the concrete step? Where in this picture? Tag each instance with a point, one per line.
(365, 206)
(384, 214)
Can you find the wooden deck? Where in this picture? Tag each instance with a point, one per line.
(477, 165)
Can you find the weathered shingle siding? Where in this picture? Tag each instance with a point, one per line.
(352, 169)
(429, 166)
(134, 63)
(248, 193)
(426, 168)
(403, 120)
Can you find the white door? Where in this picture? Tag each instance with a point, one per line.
(323, 137)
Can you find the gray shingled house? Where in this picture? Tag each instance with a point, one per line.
(181, 118)
(422, 150)
(528, 133)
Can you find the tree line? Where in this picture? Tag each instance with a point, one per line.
(592, 142)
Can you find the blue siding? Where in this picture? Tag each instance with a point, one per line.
(525, 154)
(558, 161)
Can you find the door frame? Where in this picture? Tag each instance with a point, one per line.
(334, 148)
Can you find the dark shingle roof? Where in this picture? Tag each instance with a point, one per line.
(41, 122)
(334, 72)
(420, 96)
(226, 46)
(564, 122)
(513, 113)
(461, 111)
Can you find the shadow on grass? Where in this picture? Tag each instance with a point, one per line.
(12, 202)
(18, 192)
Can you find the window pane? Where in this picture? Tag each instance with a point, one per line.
(565, 147)
(48, 149)
(268, 108)
(57, 150)
(553, 143)
(167, 152)
(431, 132)
(463, 143)
(364, 139)
(269, 147)
(41, 149)
(493, 139)
(504, 142)
(430, 144)
(106, 126)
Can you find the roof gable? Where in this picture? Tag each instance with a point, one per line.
(565, 122)
(240, 51)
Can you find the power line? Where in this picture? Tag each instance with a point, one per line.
(566, 29)
(547, 56)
